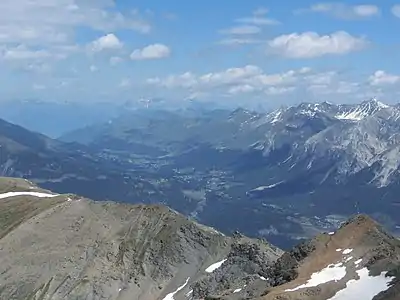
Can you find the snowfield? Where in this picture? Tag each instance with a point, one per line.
(330, 273)
(365, 288)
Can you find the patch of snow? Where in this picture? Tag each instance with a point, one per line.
(119, 289)
(347, 251)
(237, 290)
(276, 117)
(189, 293)
(366, 288)
(215, 266)
(357, 262)
(170, 296)
(330, 273)
(331, 233)
(34, 194)
(349, 258)
(338, 250)
(287, 159)
(261, 188)
(262, 278)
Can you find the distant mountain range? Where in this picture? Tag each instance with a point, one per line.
(55, 118)
(284, 175)
(69, 247)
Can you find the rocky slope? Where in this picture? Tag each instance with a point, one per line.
(68, 247)
(359, 261)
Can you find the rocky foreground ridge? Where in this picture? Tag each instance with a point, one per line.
(66, 247)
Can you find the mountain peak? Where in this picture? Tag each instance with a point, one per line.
(360, 220)
(361, 111)
(375, 103)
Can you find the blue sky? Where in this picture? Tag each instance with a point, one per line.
(238, 52)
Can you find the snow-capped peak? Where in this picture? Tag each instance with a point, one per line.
(359, 112)
(378, 103)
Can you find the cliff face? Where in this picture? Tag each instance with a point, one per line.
(67, 247)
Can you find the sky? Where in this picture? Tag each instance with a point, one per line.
(237, 52)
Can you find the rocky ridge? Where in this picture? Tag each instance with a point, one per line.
(68, 247)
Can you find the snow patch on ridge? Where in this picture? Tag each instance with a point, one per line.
(215, 266)
(261, 188)
(347, 251)
(366, 287)
(330, 273)
(170, 296)
(34, 194)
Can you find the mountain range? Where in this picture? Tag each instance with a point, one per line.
(64, 246)
(320, 161)
(284, 175)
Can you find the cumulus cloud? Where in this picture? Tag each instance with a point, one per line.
(252, 82)
(107, 42)
(311, 44)
(380, 77)
(234, 81)
(54, 21)
(22, 52)
(396, 10)
(344, 11)
(154, 51)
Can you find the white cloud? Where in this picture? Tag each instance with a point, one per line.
(396, 10)
(107, 42)
(366, 10)
(54, 21)
(241, 30)
(311, 44)
(250, 82)
(380, 77)
(247, 79)
(344, 11)
(93, 68)
(155, 51)
(22, 52)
